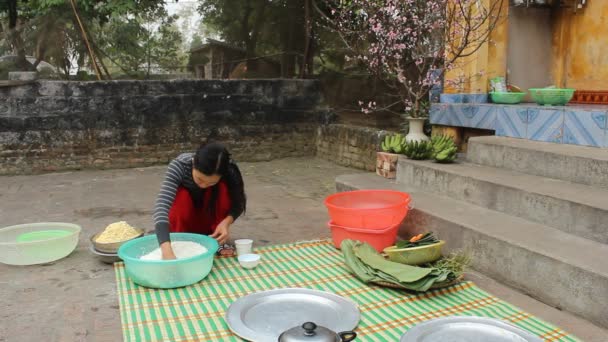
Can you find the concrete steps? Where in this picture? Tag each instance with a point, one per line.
(560, 269)
(578, 209)
(534, 215)
(578, 164)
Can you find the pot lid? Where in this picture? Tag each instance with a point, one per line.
(309, 332)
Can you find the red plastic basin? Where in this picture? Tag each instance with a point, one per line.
(377, 238)
(371, 209)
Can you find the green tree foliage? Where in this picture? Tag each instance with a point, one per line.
(197, 41)
(262, 27)
(277, 28)
(48, 29)
(141, 45)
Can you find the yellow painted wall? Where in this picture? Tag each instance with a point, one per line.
(488, 62)
(580, 53)
(497, 56)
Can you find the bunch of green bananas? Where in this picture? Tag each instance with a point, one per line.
(393, 143)
(444, 148)
(418, 150)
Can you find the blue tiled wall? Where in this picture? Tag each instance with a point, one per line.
(585, 127)
(545, 125)
(511, 121)
(464, 98)
(568, 125)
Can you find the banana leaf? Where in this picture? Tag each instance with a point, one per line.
(369, 266)
(401, 272)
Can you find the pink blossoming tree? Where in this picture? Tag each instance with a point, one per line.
(410, 44)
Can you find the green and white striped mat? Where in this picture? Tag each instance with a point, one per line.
(196, 313)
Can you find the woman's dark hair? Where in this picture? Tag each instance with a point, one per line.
(214, 159)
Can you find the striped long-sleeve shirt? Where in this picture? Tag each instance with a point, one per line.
(179, 174)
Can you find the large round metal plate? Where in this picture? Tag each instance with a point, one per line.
(263, 316)
(467, 329)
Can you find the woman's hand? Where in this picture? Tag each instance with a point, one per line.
(222, 233)
(167, 251)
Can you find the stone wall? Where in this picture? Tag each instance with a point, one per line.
(57, 125)
(351, 146)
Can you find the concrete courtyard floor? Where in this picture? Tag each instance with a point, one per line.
(75, 299)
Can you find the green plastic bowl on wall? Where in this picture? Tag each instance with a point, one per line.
(37, 243)
(166, 274)
(507, 97)
(551, 96)
(415, 255)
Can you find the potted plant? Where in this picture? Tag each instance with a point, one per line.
(409, 45)
(415, 122)
(387, 158)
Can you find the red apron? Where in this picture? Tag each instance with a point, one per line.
(185, 218)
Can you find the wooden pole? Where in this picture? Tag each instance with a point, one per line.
(86, 41)
(307, 32)
(98, 54)
(103, 65)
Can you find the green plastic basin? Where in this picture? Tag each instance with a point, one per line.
(507, 97)
(166, 274)
(415, 255)
(551, 96)
(37, 243)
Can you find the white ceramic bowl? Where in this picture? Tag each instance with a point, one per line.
(249, 260)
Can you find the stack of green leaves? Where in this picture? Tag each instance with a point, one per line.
(370, 267)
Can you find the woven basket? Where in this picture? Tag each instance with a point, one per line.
(434, 287)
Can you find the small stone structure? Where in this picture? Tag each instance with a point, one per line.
(23, 75)
(350, 145)
(386, 164)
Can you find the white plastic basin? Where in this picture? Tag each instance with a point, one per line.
(37, 243)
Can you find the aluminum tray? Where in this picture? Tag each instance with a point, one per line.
(106, 258)
(467, 329)
(263, 316)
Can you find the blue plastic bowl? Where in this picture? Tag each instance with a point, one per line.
(167, 274)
